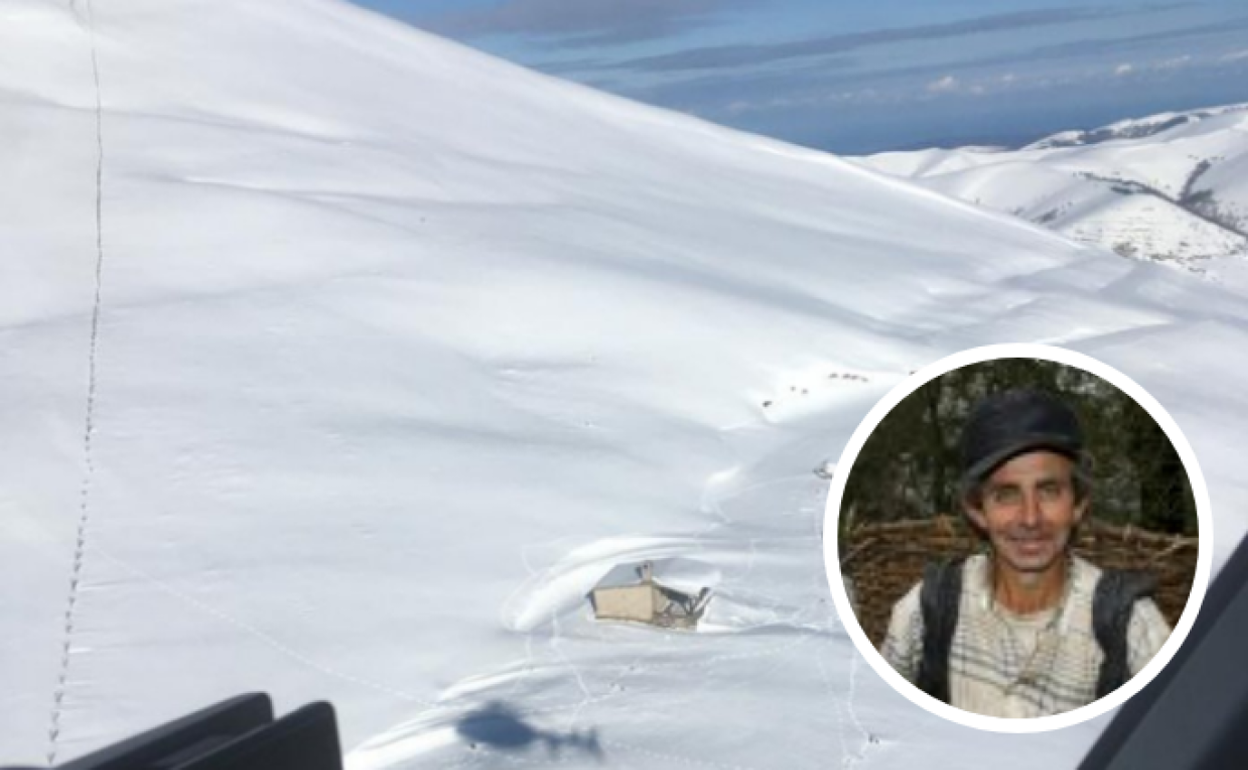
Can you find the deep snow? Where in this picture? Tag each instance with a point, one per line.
(400, 348)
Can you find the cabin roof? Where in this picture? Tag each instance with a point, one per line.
(682, 574)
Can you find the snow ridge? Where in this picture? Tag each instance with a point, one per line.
(1164, 188)
(84, 505)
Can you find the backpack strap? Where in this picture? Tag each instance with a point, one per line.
(939, 599)
(1117, 591)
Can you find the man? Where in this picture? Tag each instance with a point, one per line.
(1027, 629)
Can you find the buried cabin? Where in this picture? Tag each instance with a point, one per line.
(631, 592)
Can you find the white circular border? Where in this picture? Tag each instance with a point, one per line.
(975, 356)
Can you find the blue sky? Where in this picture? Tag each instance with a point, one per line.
(870, 75)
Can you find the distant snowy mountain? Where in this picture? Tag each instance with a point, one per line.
(1134, 128)
(1167, 188)
(340, 361)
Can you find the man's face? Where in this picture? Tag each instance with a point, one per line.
(1028, 510)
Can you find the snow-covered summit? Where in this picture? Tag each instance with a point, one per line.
(1169, 187)
(339, 361)
(1134, 128)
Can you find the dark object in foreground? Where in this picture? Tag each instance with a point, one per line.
(1192, 715)
(237, 734)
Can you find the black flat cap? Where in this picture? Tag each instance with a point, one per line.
(1005, 425)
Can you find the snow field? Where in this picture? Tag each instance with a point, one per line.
(400, 348)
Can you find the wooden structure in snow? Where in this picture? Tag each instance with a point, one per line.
(630, 592)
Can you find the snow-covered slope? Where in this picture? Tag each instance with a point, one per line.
(339, 361)
(1170, 187)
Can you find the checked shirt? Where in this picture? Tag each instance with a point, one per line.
(1007, 665)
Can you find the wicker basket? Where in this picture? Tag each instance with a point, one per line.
(885, 560)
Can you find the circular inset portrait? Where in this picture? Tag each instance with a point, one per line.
(1014, 538)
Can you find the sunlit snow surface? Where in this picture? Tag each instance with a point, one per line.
(401, 348)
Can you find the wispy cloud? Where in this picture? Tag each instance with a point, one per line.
(817, 68)
(715, 57)
(571, 66)
(1102, 45)
(823, 99)
(944, 85)
(583, 22)
(1235, 56)
(821, 75)
(1173, 63)
(1124, 69)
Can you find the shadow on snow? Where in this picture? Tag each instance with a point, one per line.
(498, 726)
